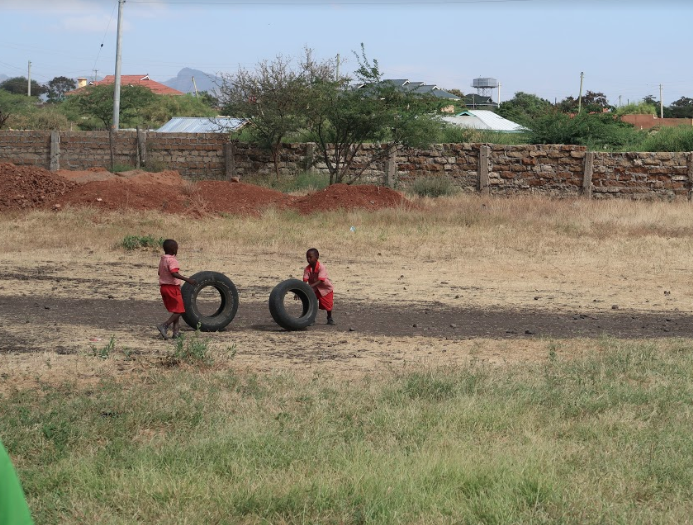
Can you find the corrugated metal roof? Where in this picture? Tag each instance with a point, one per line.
(482, 119)
(202, 125)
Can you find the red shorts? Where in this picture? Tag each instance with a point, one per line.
(173, 299)
(325, 302)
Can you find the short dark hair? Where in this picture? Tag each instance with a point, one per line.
(168, 245)
(315, 251)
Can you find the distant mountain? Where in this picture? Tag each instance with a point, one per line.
(184, 81)
(3, 78)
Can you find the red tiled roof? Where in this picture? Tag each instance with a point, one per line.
(139, 80)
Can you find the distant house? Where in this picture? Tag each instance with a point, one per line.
(129, 80)
(404, 84)
(478, 101)
(202, 125)
(484, 120)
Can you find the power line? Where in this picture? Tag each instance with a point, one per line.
(108, 26)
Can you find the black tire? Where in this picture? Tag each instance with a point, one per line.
(228, 301)
(308, 300)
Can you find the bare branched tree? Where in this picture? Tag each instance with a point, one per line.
(272, 96)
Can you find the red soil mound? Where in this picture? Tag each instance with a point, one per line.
(240, 198)
(349, 198)
(28, 187)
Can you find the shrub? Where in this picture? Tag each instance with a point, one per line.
(133, 242)
(669, 139)
(433, 187)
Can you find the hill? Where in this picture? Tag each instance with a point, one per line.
(184, 81)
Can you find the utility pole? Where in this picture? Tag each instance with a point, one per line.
(661, 103)
(96, 74)
(116, 91)
(499, 86)
(582, 77)
(28, 84)
(195, 86)
(337, 77)
(619, 101)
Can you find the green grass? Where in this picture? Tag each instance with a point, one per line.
(599, 439)
(433, 187)
(134, 242)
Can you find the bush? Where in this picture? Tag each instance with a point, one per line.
(133, 242)
(596, 131)
(433, 187)
(669, 139)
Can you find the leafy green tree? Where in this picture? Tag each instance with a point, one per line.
(18, 86)
(58, 86)
(11, 104)
(682, 108)
(594, 130)
(523, 108)
(592, 102)
(342, 116)
(22, 112)
(96, 102)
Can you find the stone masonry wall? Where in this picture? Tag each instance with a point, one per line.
(552, 170)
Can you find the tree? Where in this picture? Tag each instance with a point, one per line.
(523, 108)
(272, 97)
(595, 130)
(592, 102)
(58, 87)
(682, 108)
(18, 86)
(97, 102)
(342, 116)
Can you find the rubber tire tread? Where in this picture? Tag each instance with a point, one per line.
(305, 293)
(227, 309)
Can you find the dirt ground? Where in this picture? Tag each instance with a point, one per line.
(59, 309)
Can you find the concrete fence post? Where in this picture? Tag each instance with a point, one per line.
(55, 151)
(587, 175)
(310, 157)
(141, 148)
(391, 168)
(112, 146)
(484, 169)
(229, 161)
(690, 175)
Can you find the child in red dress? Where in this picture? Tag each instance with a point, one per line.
(169, 284)
(315, 275)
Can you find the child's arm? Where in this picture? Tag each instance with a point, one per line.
(186, 279)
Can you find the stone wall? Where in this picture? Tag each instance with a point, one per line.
(552, 170)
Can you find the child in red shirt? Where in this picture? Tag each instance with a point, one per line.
(169, 284)
(315, 275)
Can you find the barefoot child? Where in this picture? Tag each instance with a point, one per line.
(315, 275)
(169, 283)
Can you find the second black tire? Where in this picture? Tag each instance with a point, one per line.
(228, 305)
(308, 300)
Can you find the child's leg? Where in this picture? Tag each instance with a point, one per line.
(175, 324)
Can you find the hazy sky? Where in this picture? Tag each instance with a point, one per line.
(625, 48)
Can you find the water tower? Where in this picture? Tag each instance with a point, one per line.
(484, 86)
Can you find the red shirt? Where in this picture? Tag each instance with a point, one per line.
(168, 264)
(318, 274)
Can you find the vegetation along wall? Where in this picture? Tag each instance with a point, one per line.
(553, 170)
